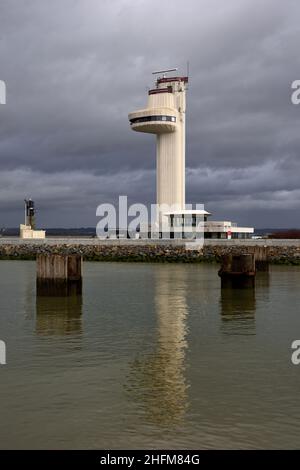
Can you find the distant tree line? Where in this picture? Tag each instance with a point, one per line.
(287, 234)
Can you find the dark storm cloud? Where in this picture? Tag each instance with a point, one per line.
(75, 68)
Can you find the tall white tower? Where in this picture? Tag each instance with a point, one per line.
(165, 117)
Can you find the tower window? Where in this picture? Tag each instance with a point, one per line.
(153, 118)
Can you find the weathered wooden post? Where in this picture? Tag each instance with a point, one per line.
(238, 271)
(59, 275)
(261, 258)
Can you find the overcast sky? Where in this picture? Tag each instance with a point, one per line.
(75, 68)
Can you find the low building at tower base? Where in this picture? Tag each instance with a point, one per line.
(191, 224)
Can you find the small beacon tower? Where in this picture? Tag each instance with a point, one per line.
(27, 230)
(164, 116)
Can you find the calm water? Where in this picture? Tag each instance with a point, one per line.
(152, 356)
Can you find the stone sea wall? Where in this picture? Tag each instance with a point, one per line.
(154, 252)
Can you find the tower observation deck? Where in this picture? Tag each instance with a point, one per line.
(165, 117)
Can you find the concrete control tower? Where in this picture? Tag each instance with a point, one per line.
(165, 117)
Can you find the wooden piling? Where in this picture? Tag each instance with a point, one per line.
(59, 275)
(261, 258)
(238, 271)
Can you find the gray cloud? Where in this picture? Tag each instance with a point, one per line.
(75, 68)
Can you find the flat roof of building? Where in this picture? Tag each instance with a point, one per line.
(188, 212)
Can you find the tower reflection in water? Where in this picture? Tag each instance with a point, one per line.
(157, 380)
(59, 315)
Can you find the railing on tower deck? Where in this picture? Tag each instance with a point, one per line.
(155, 91)
(172, 79)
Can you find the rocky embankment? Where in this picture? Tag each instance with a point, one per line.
(280, 254)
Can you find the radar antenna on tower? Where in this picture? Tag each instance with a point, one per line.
(164, 72)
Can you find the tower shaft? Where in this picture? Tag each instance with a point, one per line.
(170, 164)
